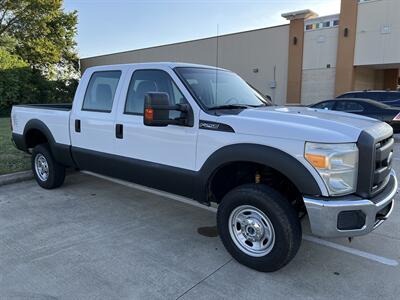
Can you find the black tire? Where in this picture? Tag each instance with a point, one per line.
(56, 172)
(282, 216)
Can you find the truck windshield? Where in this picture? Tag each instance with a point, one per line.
(219, 88)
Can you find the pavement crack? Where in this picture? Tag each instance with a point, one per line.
(204, 279)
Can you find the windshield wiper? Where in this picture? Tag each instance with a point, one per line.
(230, 106)
(260, 105)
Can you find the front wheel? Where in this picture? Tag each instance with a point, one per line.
(259, 227)
(48, 173)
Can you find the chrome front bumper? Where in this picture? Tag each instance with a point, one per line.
(324, 213)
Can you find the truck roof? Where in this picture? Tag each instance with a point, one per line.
(155, 65)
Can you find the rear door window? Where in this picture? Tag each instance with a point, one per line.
(328, 105)
(101, 90)
(349, 106)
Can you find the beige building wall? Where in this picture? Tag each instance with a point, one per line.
(319, 65)
(298, 62)
(259, 56)
(378, 33)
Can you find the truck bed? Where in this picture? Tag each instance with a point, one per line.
(53, 116)
(63, 106)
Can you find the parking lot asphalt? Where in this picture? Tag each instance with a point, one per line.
(97, 239)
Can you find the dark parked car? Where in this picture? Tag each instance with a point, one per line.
(364, 107)
(391, 98)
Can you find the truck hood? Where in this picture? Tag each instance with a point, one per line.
(301, 123)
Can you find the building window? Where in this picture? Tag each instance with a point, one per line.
(322, 24)
(326, 24)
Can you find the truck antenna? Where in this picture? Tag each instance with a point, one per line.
(216, 59)
(216, 65)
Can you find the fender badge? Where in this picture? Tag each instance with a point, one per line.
(209, 125)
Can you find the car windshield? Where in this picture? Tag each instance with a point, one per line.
(216, 88)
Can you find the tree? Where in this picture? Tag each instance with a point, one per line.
(15, 81)
(38, 61)
(41, 33)
(20, 84)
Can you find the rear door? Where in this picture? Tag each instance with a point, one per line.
(92, 121)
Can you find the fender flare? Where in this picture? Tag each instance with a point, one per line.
(40, 126)
(277, 159)
(61, 152)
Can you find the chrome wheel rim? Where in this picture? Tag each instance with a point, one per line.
(251, 230)
(41, 167)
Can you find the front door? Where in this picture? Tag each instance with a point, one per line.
(159, 157)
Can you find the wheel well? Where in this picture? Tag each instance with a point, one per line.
(234, 174)
(35, 137)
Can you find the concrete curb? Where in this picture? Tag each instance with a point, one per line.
(15, 177)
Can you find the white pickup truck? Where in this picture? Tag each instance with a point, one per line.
(203, 133)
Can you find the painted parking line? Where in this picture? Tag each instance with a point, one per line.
(309, 238)
(367, 255)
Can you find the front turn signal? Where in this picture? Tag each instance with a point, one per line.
(318, 161)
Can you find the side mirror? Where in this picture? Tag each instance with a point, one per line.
(157, 108)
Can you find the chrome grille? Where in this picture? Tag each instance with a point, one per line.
(383, 163)
(375, 145)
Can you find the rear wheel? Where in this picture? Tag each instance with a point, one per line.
(259, 227)
(49, 174)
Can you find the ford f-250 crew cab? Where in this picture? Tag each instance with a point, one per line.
(203, 133)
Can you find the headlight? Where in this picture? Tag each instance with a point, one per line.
(337, 164)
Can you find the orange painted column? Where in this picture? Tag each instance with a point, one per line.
(295, 63)
(346, 47)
